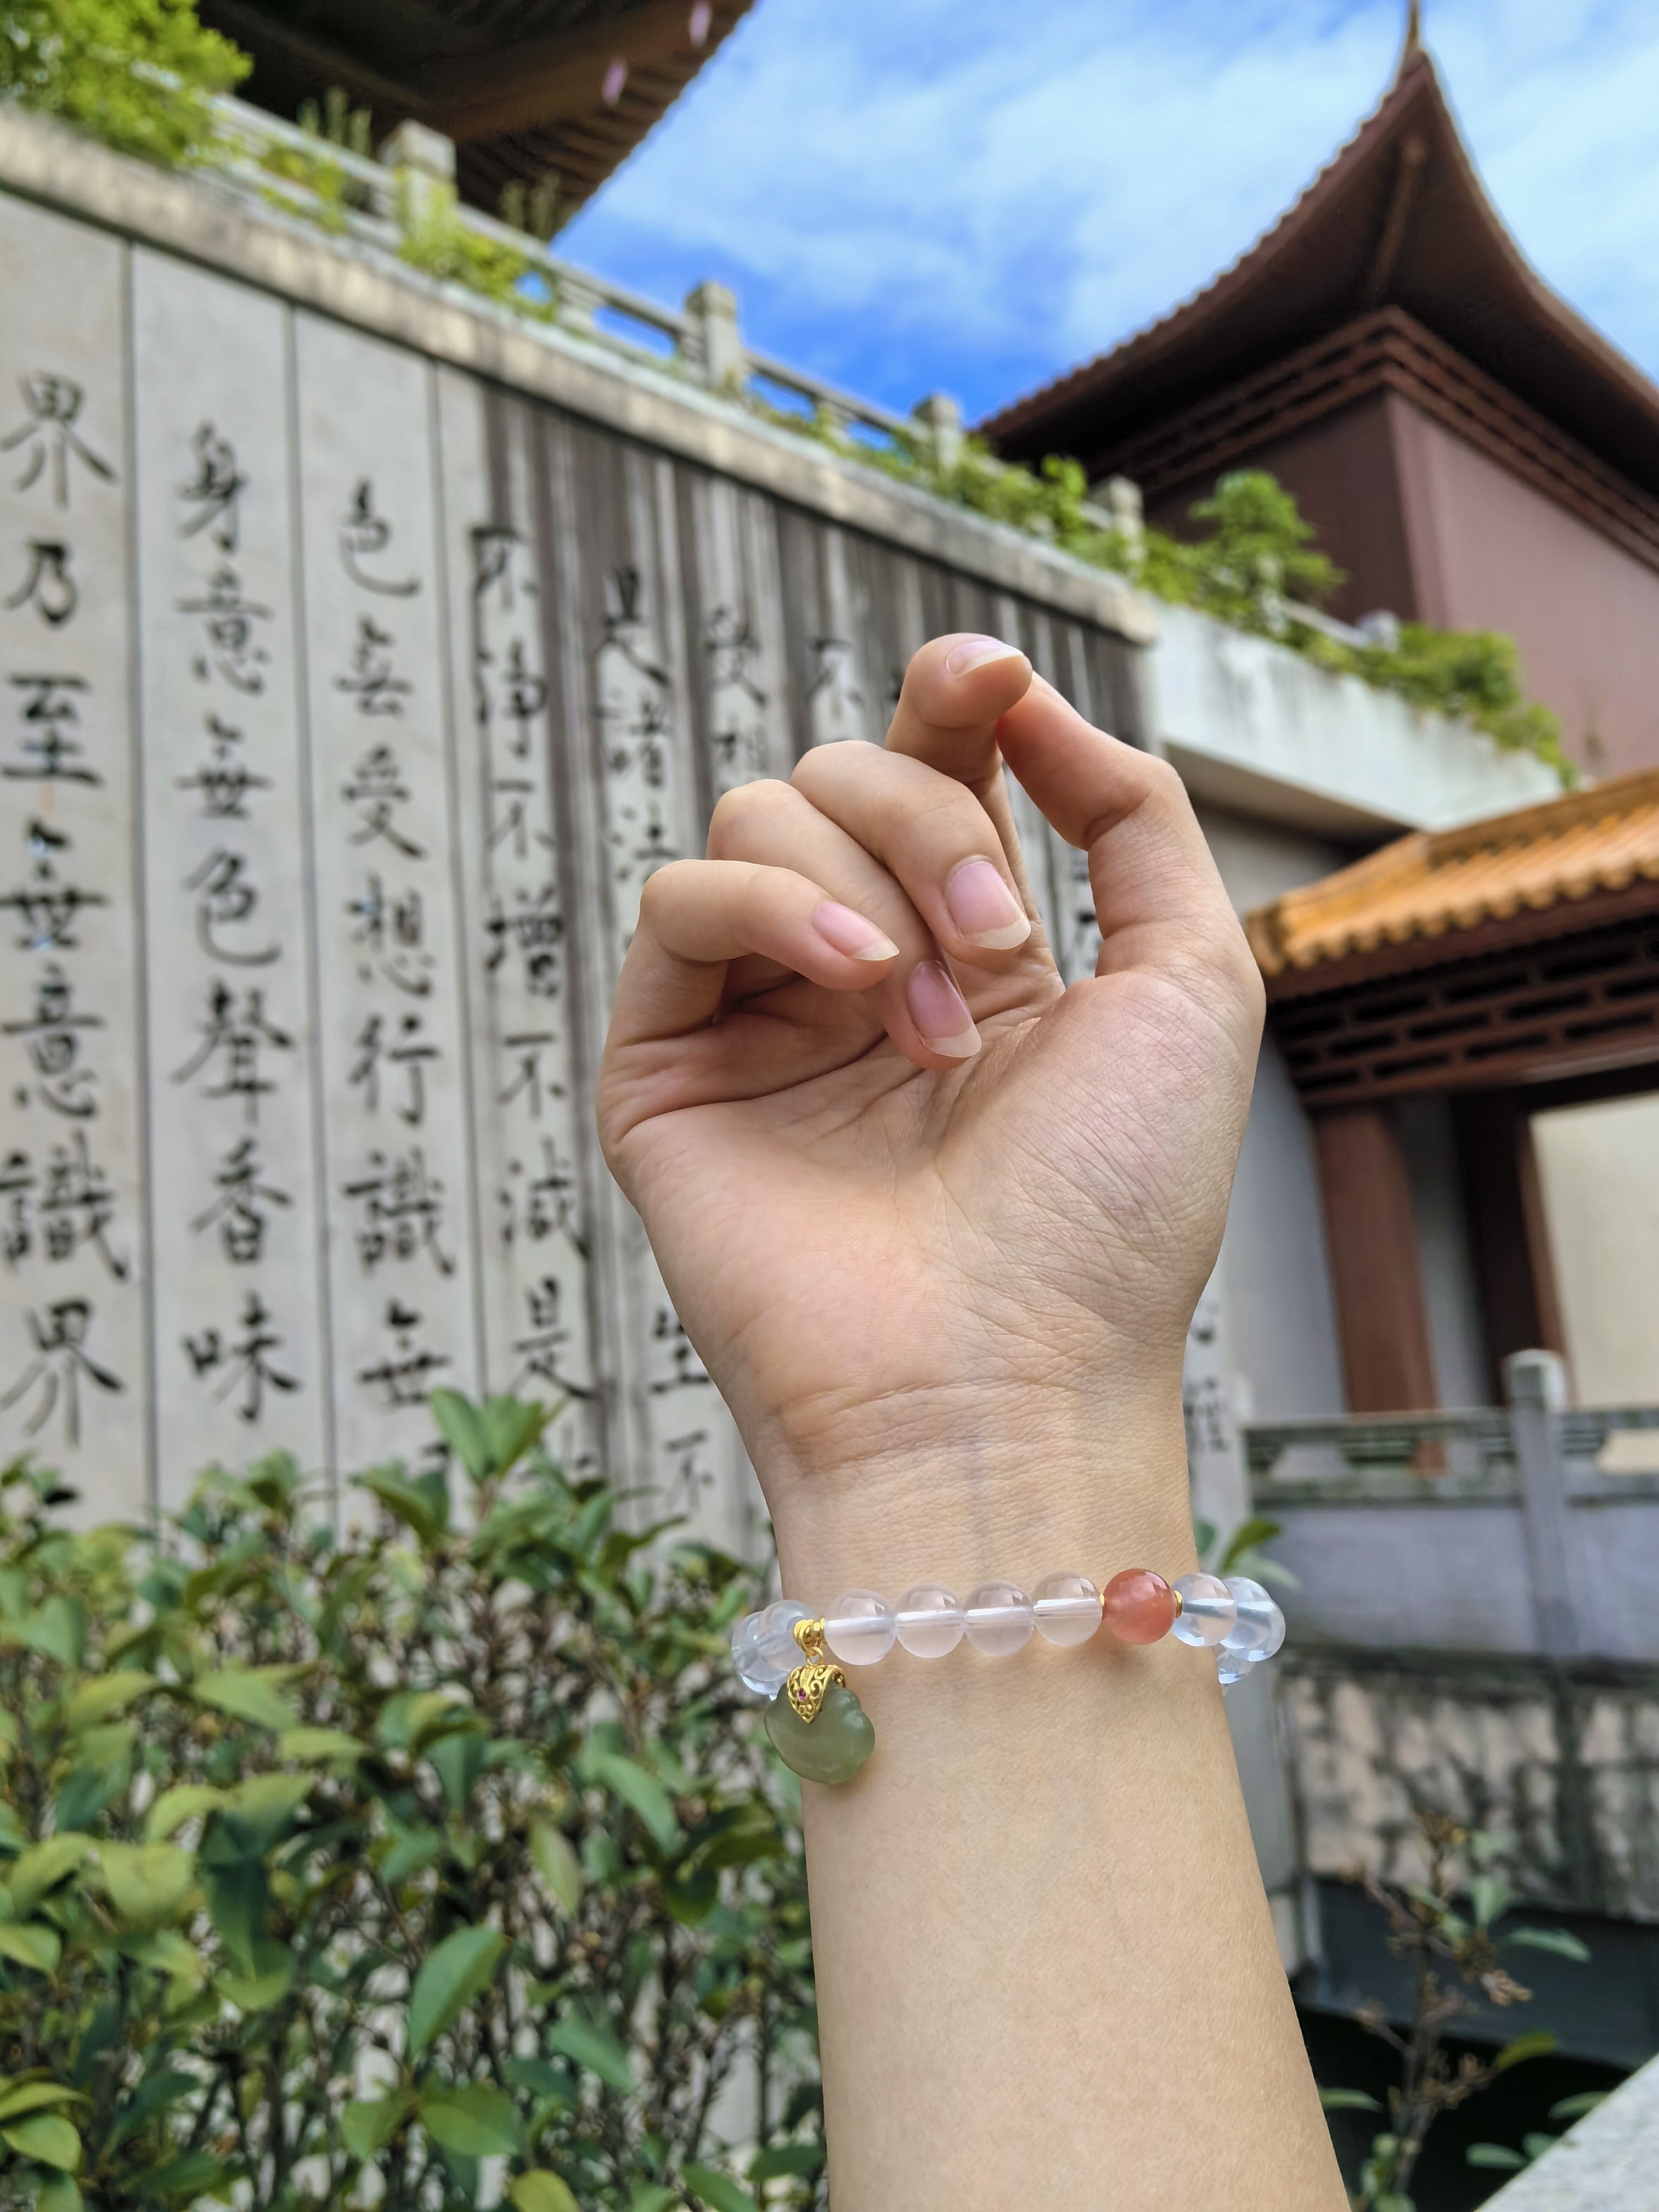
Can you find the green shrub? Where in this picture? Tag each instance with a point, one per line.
(447, 1840)
(136, 73)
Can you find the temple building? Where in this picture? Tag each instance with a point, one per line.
(1472, 453)
(529, 91)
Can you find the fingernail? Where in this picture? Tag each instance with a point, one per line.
(940, 1013)
(974, 652)
(850, 933)
(983, 907)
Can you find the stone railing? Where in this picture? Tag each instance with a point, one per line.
(378, 202)
(1500, 1529)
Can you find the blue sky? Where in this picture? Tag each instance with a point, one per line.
(918, 195)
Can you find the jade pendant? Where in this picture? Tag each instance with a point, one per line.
(831, 1747)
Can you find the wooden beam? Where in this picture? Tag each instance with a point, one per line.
(321, 59)
(1376, 1266)
(557, 79)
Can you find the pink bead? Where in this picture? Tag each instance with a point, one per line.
(1138, 1606)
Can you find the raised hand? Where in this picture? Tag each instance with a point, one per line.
(912, 1197)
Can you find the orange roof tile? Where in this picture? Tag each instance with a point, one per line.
(1434, 883)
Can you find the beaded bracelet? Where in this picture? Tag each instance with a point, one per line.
(818, 1728)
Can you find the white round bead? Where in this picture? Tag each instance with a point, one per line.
(1230, 1666)
(1207, 1609)
(1255, 1614)
(1000, 1619)
(1275, 1635)
(763, 1648)
(930, 1621)
(859, 1627)
(1067, 1609)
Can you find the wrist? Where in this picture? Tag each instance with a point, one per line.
(1022, 1486)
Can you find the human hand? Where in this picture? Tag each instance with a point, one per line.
(916, 1224)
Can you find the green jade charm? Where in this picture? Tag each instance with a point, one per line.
(818, 1727)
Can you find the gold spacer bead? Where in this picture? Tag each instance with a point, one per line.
(1181, 1603)
(809, 1635)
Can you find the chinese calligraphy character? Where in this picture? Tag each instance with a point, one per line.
(407, 1050)
(541, 1349)
(48, 584)
(514, 820)
(240, 1207)
(403, 1371)
(687, 1479)
(236, 1034)
(403, 1212)
(45, 908)
(49, 752)
(363, 534)
(377, 789)
(548, 1205)
(70, 1201)
(528, 1082)
(494, 546)
(391, 930)
(225, 900)
(214, 491)
(536, 928)
(53, 1044)
(226, 780)
(687, 1369)
(49, 437)
(370, 680)
(737, 737)
(233, 645)
(834, 701)
(526, 695)
(244, 1362)
(61, 1360)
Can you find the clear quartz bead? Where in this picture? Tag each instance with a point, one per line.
(764, 1647)
(1256, 1615)
(930, 1621)
(1207, 1609)
(1067, 1609)
(1275, 1637)
(1000, 1618)
(859, 1627)
(1230, 1666)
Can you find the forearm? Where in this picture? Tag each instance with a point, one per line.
(1045, 1965)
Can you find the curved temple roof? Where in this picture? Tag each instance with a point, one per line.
(525, 88)
(1399, 218)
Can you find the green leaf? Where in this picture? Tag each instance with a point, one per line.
(1496, 2156)
(423, 1513)
(368, 2125)
(802, 2158)
(188, 2178)
(513, 1425)
(1564, 1944)
(102, 1698)
(189, 1802)
(47, 2137)
(652, 2196)
(61, 2194)
(458, 1759)
(556, 1863)
(252, 1993)
(1348, 2101)
(248, 1693)
(1574, 2108)
(147, 1883)
(1245, 1539)
(595, 2049)
(641, 1792)
(35, 2097)
(57, 1630)
(1489, 1895)
(31, 1943)
(718, 2191)
(1204, 1534)
(462, 1966)
(1535, 2145)
(41, 1868)
(462, 1425)
(315, 1747)
(474, 2120)
(542, 2191)
(1538, 2044)
(259, 1811)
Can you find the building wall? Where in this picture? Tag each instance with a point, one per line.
(1488, 552)
(1598, 1168)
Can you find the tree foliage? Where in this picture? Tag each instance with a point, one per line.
(138, 74)
(335, 1865)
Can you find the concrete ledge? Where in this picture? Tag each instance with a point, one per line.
(1608, 2163)
(204, 221)
(1253, 727)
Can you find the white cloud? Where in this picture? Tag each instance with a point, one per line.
(911, 194)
